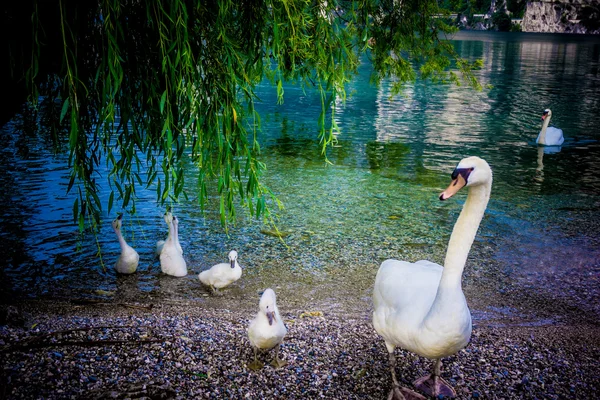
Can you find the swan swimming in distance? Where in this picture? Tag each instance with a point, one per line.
(223, 274)
(420, 306)
(160, 244)
(171, 258)
(129, 259)
(266, 330)
(549, 135)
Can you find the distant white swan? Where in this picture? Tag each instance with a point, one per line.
(171, 258)
(129, 259)
(223, 274)
(160, 244)
(266, 330)
(549, 135)
(420, 306)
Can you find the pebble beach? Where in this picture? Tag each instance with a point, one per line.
(180, 350)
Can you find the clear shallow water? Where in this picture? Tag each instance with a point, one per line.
(378, 199)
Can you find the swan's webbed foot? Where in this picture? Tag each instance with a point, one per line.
(255, 365)
(402, 393)
(215, 292)
(434, 386)
(278, 362)
(398, 392)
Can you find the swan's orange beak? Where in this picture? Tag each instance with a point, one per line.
(459, 180)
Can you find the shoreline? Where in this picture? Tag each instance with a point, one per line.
(200, 350)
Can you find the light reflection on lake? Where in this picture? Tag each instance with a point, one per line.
(377, 200)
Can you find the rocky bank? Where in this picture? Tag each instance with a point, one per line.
(562, 16)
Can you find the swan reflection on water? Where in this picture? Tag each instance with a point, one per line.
(541, 150)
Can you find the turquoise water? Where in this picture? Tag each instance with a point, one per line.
(378, 199)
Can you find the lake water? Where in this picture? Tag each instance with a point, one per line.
(378, 199)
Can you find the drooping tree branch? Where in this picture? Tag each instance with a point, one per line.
(147, 86)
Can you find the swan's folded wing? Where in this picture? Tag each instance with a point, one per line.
(435, 267)
(401, 285)
(554, 136)
(219, 273)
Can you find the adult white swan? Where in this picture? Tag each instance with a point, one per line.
(549, 135)
(129, 259)
(420, 306)
(171, 258)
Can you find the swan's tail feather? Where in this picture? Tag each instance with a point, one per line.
(203, 276)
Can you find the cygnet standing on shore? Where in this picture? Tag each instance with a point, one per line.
(267, 330)
(223, 274)
(129, 259)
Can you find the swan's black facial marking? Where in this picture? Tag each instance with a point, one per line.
(464, 172)
(545, 114)
(233, 263)
(120, 217)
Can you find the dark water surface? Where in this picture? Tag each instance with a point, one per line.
(377, 200)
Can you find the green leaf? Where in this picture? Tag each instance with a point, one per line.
(127, 195)
(163, 98)
(111, 198)
(65, 107)
(158, 189)
(75, 210)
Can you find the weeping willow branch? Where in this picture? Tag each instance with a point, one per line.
(150, 86)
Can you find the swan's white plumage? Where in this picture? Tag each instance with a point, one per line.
(168, 217)
(420, 306)
(129, 259)
(159, 246)
(223, 274)
(403, 300)
(171, 258)
(266, 332)
(549, 135)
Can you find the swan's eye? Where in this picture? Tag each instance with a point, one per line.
(464, 172)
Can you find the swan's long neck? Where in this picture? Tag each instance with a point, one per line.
(450, 301)
(463, 236)
(542, 138)
(171, 235)
(122, 241)
(176, 234)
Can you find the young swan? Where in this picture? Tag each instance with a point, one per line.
(171, 260)
(266, 330)
(161, 243)
(223, 274)
(129, 259)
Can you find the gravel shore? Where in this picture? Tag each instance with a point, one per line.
(61, 350)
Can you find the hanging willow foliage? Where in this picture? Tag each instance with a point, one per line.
(147, 84)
